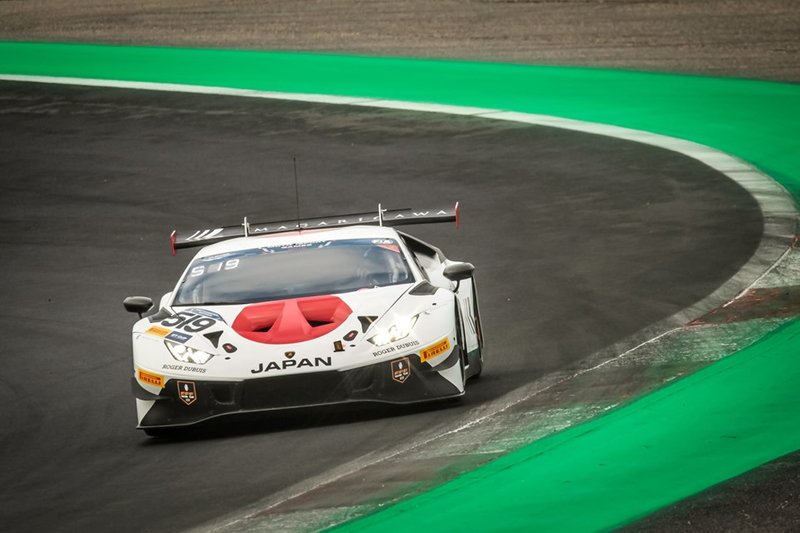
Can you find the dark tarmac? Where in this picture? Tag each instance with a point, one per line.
(579, 241)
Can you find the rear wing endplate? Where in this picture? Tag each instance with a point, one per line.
(383, 217)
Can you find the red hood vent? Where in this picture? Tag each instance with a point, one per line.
(289, 321)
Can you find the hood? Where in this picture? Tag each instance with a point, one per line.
(303, 319)
(286, 336)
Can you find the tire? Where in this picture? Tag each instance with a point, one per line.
(477, 312)
(462, 358)
(478, 360)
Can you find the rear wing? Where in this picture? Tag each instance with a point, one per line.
(381, 217)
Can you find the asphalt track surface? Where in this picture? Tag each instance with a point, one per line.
(579, 241)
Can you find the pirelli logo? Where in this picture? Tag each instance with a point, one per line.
(151, 379)
(158, 331)
(434, 350)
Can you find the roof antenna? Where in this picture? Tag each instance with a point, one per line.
(296, 192)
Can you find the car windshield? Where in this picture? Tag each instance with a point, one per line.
(293, 271)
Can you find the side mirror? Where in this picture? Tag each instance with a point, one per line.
(458, 271)
(137, 304)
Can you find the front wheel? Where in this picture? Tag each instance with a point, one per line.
(477, 359)
(475, 364)
(471, 364)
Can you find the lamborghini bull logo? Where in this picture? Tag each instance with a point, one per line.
(292, 363)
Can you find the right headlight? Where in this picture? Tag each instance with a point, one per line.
(400, 329)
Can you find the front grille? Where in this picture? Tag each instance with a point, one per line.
(223, 393)
(301, 389)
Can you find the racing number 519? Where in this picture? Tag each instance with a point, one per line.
(188, 322)
(199, 270)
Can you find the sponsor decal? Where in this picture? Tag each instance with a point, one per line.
(397, 347)
(407, 344)
(384, 351)
(158, 331)
(183, 368)
(387, 244)
(341, 220)
(207, 313)
(229, 348)
(434, 350)
(338, 346)
(150, 378)
(391, 247)
(187, 392)
(326, 222)
(289, 354)
(177, 336)
(351, 335)
(401, 370)
(217, 257)
(305, 362)
(203, 234)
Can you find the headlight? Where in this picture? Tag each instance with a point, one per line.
(184, 354)
(401, 329)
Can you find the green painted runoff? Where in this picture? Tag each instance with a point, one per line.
(713, 425)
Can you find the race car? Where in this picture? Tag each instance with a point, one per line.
(306, 313)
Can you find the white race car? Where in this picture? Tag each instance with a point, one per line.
(307, 313)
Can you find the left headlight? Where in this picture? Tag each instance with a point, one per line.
(400, 329)
(184, 354)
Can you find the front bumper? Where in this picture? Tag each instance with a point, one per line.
(400, 381)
